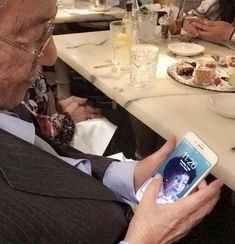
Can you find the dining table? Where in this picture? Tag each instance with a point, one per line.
(85, 12)
(169, 107)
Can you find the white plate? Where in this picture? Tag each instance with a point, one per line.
(223, 104)
(186, 49)
(100, 9)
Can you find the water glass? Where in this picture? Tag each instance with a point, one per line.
(121, 42)
(147, 21)
(143, 64)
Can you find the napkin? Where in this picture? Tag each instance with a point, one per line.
(93, 136)
(120, 156)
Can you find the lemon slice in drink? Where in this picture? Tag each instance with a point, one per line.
(122, 39)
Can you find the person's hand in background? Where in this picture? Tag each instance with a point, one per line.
(190, 28)
(78, 109)
(214, 30)
(167, 223)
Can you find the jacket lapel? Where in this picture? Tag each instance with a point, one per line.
(30, 169)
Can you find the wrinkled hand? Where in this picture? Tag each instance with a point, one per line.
(167, 223)
(78, 109)
(214, 30)
(146, 167)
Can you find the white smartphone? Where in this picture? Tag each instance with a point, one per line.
(184, 168)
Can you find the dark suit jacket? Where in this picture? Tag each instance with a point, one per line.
(45, 200)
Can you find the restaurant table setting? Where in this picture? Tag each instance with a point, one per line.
(95, 5)
(80, 11)
(192, 88)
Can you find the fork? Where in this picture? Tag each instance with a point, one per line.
(89, 43)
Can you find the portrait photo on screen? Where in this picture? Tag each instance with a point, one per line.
(180, 171)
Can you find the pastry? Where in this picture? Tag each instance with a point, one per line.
(203, 76)
(185, 69)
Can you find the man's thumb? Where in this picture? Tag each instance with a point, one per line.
(153, 189)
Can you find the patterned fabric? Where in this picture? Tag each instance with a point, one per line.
(212, 10)
(208, 9)
(57, 126)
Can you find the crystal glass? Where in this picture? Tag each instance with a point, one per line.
(147, 21)
(143, 64)
(121, 42)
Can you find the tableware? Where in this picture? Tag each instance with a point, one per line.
(224, 86)
(102, 65)
(121, 42)
(147, 21)
(152, 7)
(143, 65)
(186, 49)
(165, 22)
(89, 43)
(175, 27)
(100, 8)
(223, 104)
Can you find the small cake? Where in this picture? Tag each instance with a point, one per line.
(206, 60)
(185, 69)
(231, 72)
(203, 76)
(193, 63)
(211, 65)
(220, 60)
(230, 59)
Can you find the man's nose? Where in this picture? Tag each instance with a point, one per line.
(49, 54)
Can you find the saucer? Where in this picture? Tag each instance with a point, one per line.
(186, 49)
(223, 104)
(99, 9)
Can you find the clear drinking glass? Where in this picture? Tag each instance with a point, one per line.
(147, 21)
(143, 64)
(177, 8)
(121, 42)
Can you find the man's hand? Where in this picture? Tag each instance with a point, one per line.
(167, 223)
(146, 167)
(214, 30)
(190, 28)
(78, 109)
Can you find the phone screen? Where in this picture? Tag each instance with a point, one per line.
(180, 171)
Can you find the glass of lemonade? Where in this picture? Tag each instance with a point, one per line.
(121, 42)
(143, 64)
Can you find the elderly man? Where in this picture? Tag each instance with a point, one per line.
(46, 200)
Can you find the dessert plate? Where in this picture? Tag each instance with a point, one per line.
(223, 104)
(186, 49)
(189, 80)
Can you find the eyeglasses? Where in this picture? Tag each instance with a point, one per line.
(46, 35)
